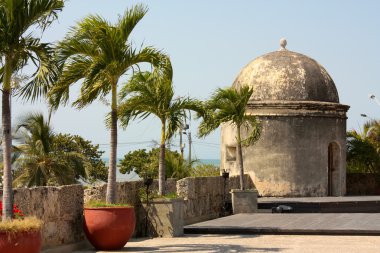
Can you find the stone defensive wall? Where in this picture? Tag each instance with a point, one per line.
(204, 196)
(61, 208)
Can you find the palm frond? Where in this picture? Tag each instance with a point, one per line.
(130, 19)
(46, 73)
(229, 106)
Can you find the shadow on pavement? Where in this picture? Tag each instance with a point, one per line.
(211, 248)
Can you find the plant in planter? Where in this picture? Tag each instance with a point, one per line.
(163, 214)
(228, 106)
(21, 234)
(108, 226)
(98, 54)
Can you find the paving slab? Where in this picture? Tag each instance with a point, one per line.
(253, 243)
(291, 223)
(320, 199)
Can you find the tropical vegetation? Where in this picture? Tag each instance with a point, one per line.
(363, 149)
(98, 53)
(46, 158)
(144, 164)
(18, 46)
(228, 106)
(150, 93)
(96, 169)
(205, 170)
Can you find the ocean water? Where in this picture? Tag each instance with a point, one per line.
(134, 177)
(215, 162)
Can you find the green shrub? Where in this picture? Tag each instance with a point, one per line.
(205, 170)
(97, 203)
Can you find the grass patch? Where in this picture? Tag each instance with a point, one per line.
(153, 195)
(97, 203)
(171, 195)
(27, 224)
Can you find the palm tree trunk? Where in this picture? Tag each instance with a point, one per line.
(7, 142)
(240, 158)
(161, 166)
(111, 183)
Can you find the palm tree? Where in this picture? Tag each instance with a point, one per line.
(363, 149)
(177, 167)
(229, 106)
(148, 93)
(40, 162)
(17, 46)
(15, 154)
(100, 53)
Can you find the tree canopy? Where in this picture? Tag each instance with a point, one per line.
(152, 93)
(145, 164)
(98, 53)
(363, 149)
(18, 46)
(228, 106)
(47, 158)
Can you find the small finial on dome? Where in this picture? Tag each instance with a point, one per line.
(283, 43)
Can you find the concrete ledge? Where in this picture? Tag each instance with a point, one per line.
(270, 231)
(292, 224)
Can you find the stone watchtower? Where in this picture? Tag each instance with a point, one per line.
(302, 148)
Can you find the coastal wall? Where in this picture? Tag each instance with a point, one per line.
(127, 192)
(205, 197)
(60, 209)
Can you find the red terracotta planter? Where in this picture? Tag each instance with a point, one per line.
(20, 242)
(109, 228)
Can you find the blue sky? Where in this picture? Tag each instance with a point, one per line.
(209, 42)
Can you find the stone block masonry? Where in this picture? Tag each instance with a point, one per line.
(128, 193)
(60, 209)
(204, 198)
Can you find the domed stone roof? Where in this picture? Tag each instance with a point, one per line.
(287, 76)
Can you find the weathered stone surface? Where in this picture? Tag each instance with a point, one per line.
(287, 75)
(165, 218)
(203, 197)
(127, 192)
(301, 151)
(291, 156)
(244, 201)
(60, 209)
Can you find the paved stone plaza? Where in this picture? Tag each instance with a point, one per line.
(255, 243)
(300, 223)
(363, 228)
